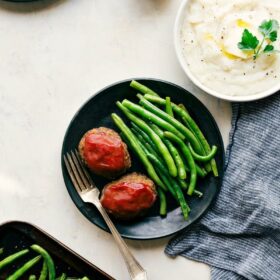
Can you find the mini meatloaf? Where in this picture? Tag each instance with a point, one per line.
(129, 197)
(104, 152)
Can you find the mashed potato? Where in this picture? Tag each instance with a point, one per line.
(209, 37)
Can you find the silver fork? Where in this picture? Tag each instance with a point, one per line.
(89, 193)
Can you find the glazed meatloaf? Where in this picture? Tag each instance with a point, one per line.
(129, 197)
(104, 152)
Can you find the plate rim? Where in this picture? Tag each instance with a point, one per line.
(129, 236)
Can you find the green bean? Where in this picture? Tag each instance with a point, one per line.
(183, 107)
(142, 112)
(144, 135)
(207, 165)
(142, 143)
(144, 101)
(163, 205)
(22, 270)
(173, 151)
(155, 138)
(1, 250)
(44, 271)
(201, 172)
(63, 277)
(183, 184)
(184, 160)
(168, 107)
(160, 171)
(189, 158)
(203, 158)
(163, 173)
(10, 259)
(32, 277)
(142, 88)
(47, 259)
(180, 196)
(167, 183)
(148, 149)
(183, 204)
(165, 178)
(193, 126)
(134, 144)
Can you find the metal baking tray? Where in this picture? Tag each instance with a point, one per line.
(16, 235)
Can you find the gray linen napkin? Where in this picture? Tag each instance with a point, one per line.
(240, 235)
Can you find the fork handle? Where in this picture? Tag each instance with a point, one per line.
(134, 268)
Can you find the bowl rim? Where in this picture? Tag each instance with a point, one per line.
(177, 44)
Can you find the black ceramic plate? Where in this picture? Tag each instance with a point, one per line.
(96, 112)
(15, 236)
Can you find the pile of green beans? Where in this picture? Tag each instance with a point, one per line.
(47, 270)
(169, 143)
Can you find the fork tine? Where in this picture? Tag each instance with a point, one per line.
(84, 169)
(76, 173)
(71, 174)
(80, 171)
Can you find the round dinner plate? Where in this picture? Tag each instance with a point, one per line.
(97, 111)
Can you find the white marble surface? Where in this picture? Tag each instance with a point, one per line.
(54, 56)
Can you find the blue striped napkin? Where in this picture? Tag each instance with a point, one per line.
(239, 237)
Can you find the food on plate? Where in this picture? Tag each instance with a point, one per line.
(104, 152)
(231, 47)
(169, 144)
(10, 259)
(49, 264)
(48, 270)
(129, 197)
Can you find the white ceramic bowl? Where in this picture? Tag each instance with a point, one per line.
(181, 15)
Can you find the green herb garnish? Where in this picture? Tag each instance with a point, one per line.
(249, 42)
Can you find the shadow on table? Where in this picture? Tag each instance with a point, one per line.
(154, 4)
(29, 7)
(148, 244)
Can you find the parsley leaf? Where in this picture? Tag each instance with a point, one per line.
(268, 49)
(269, 28)
(272, 36)
(248, 42)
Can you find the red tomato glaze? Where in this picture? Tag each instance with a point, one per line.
(128, 198)
(104, 152)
